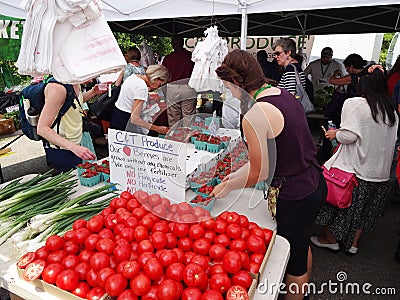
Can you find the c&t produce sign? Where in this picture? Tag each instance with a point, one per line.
(141, 162)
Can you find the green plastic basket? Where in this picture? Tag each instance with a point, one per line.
(91, 181)
(214, 148)
(199, 145)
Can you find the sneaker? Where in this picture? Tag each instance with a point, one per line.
(331, 247)
(352, 251)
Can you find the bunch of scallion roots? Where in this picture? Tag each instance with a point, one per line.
(34, 209)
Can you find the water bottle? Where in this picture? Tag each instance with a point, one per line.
(332, 126)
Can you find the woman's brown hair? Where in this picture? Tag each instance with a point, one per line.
(242, 68)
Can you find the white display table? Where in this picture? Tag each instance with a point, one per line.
(238, 201)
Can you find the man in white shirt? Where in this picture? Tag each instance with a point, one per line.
(322, 69)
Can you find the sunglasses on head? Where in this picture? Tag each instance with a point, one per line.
(277, 53)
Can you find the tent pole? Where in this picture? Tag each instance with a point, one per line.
(243, 31)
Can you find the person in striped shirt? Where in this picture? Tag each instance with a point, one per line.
(285, 52)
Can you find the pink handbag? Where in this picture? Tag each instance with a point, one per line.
(340, 187)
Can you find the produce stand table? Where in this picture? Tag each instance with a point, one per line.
(273, 272)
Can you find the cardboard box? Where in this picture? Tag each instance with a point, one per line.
(266, 256)
(52, 289)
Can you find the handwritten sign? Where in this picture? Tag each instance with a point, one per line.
(141, 162)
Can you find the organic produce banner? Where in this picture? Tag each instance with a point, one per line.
(141, 162)
(10, 37)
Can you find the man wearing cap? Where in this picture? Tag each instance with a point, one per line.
(322, 69)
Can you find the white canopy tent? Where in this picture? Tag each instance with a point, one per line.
(298, 17)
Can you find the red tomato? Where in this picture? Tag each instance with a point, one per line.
(172, 240)
(69, 235)
(81, 290)
(95, 293)
(123, 217)
(180, 254)
(255, 244)
(153, 268)
(70, 261)
(130, 269)
(175, 271)
(167, 290)
(126, 195)
(145, 246)
(51, 271)
(234, 231)
(110, 221)
(254, 267)
(67, 280)
(245, 233)
(232, 262)
(181, 229)
(147, 221)
(159, 240)
(196, 231)
(99, 260)
(42, 253)
(168, 257)
(185, 243)
(208, 223)
(194, 275)
(151, 294)
(154, 199)
(79, 223)
(95, 223)
(132, 204)
(220, 226)
(210, 235)
(82, 269)
(34, 269)
(216, 269)
(212, 295)
(85, 255)
(120, 203)
(103, 275)
(223, 239)
(144, 257)
(257, 257)
(201, 246)
(232, 218)
(107, 211)
(220, 282)
(115, 284)
(26, 259)
(127, 295)
(237, 292)
(70, 247)
(91, 240)
(238, 245)
(106, 234)
(184, 208)
(161, 226)
(245, 260)
(91, 278)
(242, 278)
(201, 260)
(56, 256)
(140, 284)
(141, 196)
(122, 252)
(139, 213)
(268, 235)
(141, 233)
(217, 251)
(54, 243)
(80, 235)
(191, 293)
(105, 245)
(243, 221)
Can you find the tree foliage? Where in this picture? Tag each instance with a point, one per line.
(387, 38)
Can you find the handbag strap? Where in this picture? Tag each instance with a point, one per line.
(298, 80)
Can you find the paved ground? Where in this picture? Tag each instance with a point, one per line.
(374, 264)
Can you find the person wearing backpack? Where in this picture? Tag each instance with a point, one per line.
(62, 142)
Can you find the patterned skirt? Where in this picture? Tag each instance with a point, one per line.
(367, 206)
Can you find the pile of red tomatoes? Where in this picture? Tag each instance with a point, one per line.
(144, 247)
